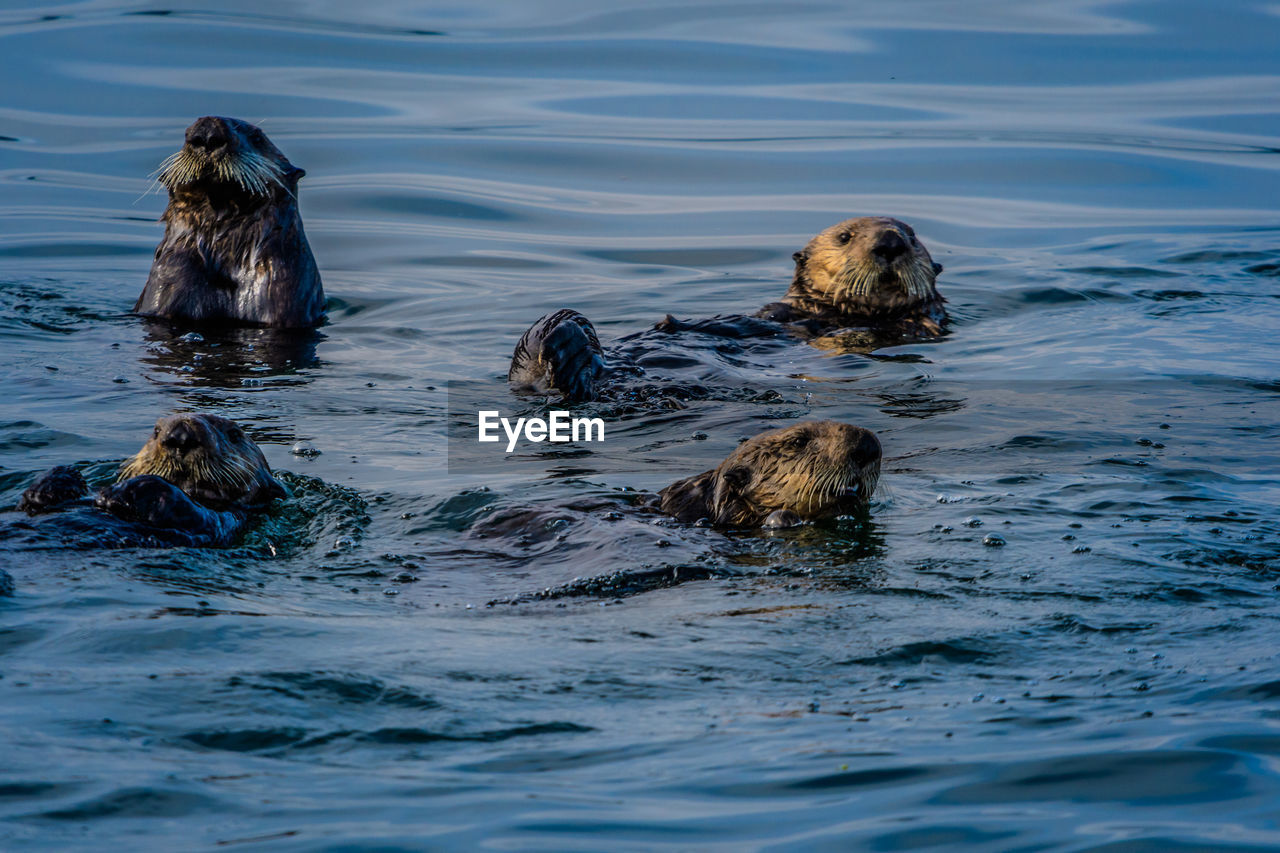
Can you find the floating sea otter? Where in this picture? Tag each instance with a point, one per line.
(196, 482)
(805, 472)
(862, 283)
(808, 471)
(234, 251)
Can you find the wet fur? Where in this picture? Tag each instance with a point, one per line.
(812, 470)
(222, 468)
(195, 483)
(843, 279)
(234, 250)
(849, 292)
(559, 353)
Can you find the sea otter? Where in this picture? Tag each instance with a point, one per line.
(860, 284)
(871, 273)
(234, 252)
(805, 472)
(197, 482)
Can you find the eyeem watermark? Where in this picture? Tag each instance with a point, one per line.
(492, 430)
(559, 427)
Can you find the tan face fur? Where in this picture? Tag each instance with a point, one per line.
(816, 469)
(868, 267)
(208, 457)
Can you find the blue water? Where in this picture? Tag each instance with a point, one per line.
(391, 662)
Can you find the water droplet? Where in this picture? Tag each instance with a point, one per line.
(305, 449)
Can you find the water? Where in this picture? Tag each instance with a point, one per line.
(1099, 180)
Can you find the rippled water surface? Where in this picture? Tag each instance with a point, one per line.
(412, 655)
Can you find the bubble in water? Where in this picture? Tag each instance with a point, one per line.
(991, 540)
(305, 449)
(192, 338)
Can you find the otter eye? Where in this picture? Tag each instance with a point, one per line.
(155, 433)
(843, 237)
(798, 442)
(235, 433)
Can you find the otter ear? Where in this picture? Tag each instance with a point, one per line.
(937, 268)
(294, 173)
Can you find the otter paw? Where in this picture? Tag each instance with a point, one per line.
(147, 499)
(54, 488)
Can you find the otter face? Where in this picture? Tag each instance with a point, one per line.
(229, 154)
(208, 457)
(817, 469)
(873, 266)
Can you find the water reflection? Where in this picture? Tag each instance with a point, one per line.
(231, 357)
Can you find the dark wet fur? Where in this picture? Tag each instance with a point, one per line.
(234, 251)
(58, 486)
(559, 353)
(146, 510)
(156, 503)
(887, 297)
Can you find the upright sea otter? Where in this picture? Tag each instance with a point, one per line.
(863, 283)
(234, 251)
(805, 472)
(196, 482)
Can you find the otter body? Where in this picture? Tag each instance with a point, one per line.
(234, 250)
(196, 482)
(860, 284)
(805, 472)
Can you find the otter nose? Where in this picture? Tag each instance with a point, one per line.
(181, 437)
(867, 450)
(890, 245)
(208, 133)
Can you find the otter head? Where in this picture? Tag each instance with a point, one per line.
(816, 469)
(208, 457)
(864, 268)
(228, 161)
